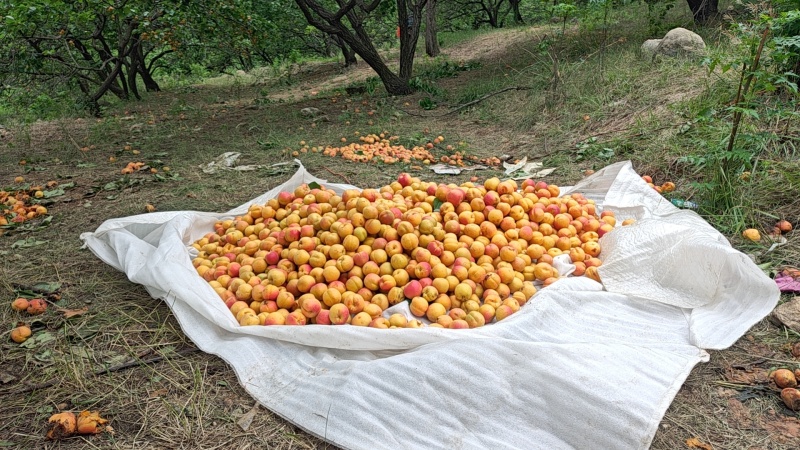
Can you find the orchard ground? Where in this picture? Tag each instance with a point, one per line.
(598, 105)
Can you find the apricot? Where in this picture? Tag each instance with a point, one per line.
(36, 306)
(784, 378)
(62, 425)
(21, 333)
(20, 304)
(751, 234)
(791, 398)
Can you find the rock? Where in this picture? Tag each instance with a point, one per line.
(311, 112)
(680, 41)
(788, 314)
(649, 47)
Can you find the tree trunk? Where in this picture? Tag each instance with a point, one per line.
(703, 10)
(431, 40)
(359, 40)
(349, 56)
(347, 52)
(517, 14)
(409, 15)
(395, 85)
(133, 67)
(147, 71)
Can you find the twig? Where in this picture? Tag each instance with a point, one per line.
(73, 140)
(338, 175)
(491, 94)
(616, 130)
(473, 102)
(127, 365)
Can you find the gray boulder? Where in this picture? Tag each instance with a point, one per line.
(649, 47)
(680, 41)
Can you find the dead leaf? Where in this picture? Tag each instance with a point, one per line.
(159, 393)
(697, 443)
(6, 378)
(726, 393)
(246, 420)
(72, 312)
(740, 415)
(755, 375)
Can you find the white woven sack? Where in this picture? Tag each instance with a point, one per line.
(582, 365)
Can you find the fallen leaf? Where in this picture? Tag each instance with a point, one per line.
(246, 420)
(47, 288)
(38, 339)
(159, 393)
(72, 312)
(757, 392)
(697, 443)
(28, 243)
(6, 378)
(755, 375)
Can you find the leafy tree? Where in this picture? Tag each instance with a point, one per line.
(97, 45)
(483, 12)
(349, 21)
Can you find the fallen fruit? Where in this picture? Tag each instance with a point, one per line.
(90, 422)
(36, 306)
(20, 304)
(315, 256)
(20, 334)
(62, 425)
(751, 234)
(19, 206)
(791, 398)
(784, 226)
(784, 378)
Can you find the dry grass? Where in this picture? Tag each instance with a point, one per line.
(193, 400)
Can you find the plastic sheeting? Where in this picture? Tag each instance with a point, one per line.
(581, 365)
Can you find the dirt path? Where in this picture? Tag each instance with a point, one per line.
(325, 76)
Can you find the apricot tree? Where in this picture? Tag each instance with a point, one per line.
(348, 21)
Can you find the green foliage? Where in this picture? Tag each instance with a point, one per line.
(656, 14)
(591, 148)
(427, 103)
(444, 68)
(421, 84)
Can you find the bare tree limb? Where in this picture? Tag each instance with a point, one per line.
(473, 102)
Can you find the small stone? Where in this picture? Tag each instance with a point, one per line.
(788, 315)
(310, 112)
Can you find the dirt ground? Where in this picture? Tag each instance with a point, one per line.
(104, 326)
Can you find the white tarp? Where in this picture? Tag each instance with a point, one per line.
(582, 365)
